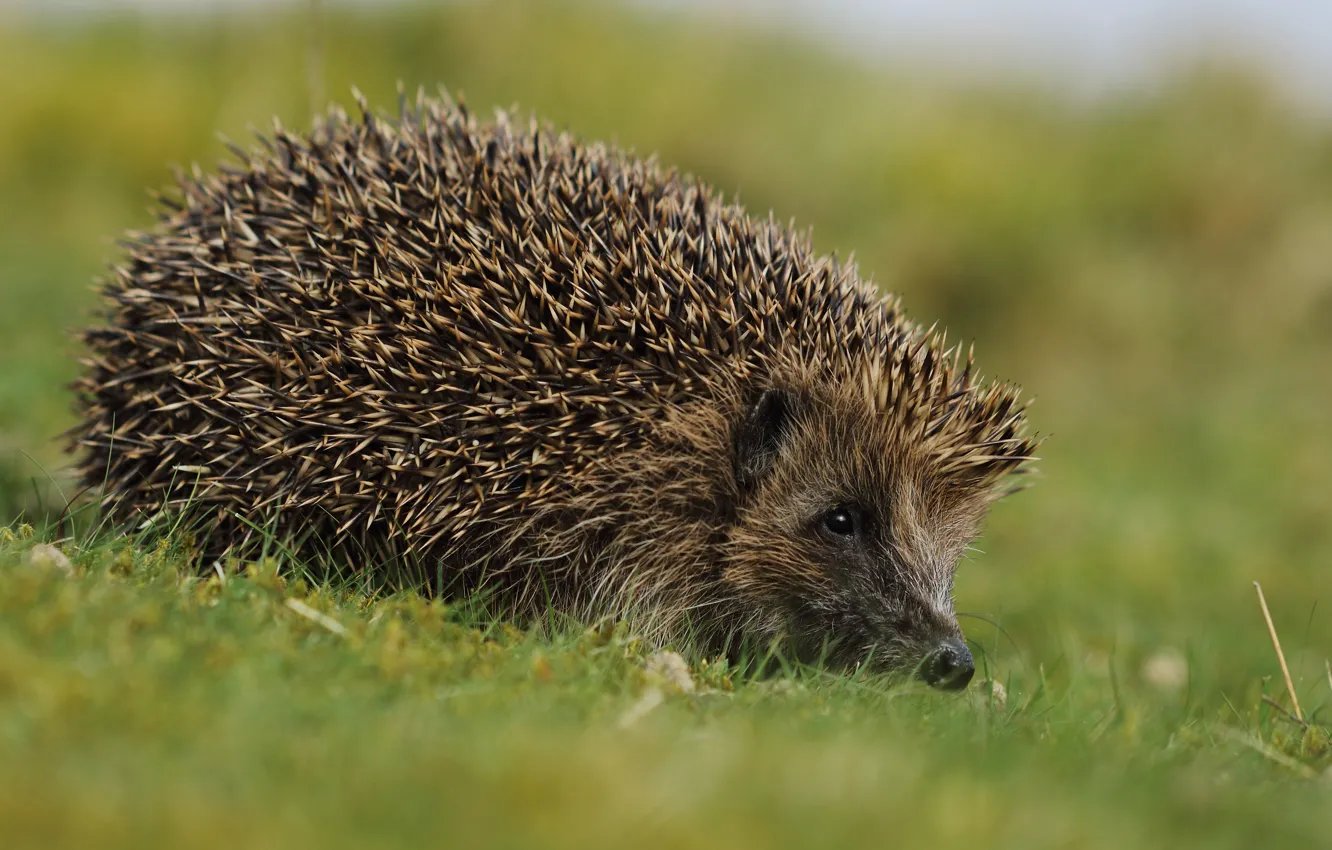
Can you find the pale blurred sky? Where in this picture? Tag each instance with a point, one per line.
(1090, 46)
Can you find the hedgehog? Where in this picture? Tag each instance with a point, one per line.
(467, 357)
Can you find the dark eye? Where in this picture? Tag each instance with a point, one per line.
(840, 521)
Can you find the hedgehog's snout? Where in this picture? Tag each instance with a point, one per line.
(949, 666)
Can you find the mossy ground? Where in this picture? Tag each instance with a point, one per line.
(1156, 270)
(145, 706)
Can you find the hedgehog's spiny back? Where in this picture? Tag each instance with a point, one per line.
(395, 326)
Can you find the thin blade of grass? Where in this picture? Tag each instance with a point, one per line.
(314, 616)
(1281, 656)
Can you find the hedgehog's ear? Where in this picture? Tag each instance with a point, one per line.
(759, 436)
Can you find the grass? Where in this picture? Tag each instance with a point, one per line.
(1156, 270)
(146, 706)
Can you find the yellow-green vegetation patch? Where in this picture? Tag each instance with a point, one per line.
(142, 704)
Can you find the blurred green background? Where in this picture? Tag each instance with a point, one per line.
(1154, 268)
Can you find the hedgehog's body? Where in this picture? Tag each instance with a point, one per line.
(473, 358)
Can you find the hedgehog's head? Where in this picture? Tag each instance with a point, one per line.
(853, 510)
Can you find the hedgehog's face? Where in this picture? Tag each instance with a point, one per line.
(845, 541)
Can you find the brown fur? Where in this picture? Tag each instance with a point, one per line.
(667, 531)
(468, 358)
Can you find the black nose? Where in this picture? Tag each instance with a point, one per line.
(949, 667)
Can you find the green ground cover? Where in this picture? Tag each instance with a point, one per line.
(1155, 269)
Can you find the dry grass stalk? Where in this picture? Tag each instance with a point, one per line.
(314, 616)
(1281, 656)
